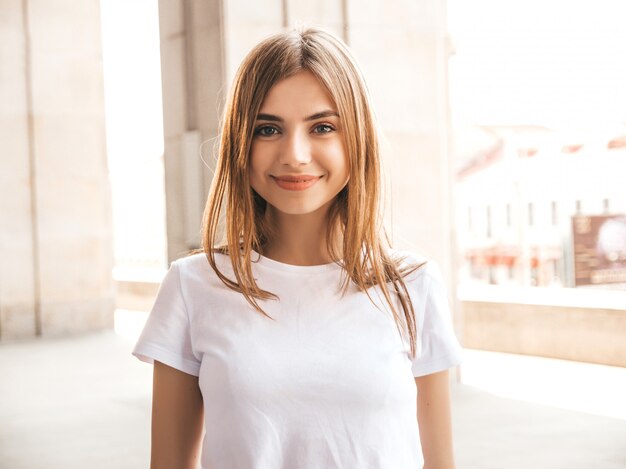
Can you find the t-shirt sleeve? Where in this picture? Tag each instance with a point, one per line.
(166, 336)
(438, 348)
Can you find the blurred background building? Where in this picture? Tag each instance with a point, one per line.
(537, 122)
(519, 194)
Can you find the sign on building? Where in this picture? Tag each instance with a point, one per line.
(599, 249)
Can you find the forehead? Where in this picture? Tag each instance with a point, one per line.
(297, 95)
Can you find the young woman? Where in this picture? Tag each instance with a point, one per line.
(297, 338)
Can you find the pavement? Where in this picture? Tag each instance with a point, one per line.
(84, 402)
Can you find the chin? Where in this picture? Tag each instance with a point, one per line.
(302, 208)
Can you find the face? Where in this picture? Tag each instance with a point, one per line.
(298, 163)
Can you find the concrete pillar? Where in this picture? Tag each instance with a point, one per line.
(330, 14)
(406, 67)
(17, 282)
(245, 26)
(56, 251)
(193, 76)
(405, 64)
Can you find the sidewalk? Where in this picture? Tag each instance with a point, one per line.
(84, 402)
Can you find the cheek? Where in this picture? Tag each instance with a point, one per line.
(345, 167)
(336, 159)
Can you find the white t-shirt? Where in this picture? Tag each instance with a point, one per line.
(328, 383)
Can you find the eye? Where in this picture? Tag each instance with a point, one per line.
(265, 131)
(324, 128)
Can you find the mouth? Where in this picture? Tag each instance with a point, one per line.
(296, 182)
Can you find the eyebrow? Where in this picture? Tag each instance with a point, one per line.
(312, 117)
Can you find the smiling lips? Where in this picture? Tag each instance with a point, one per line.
(297, 182)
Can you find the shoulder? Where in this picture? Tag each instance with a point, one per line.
(424, 266)
(408, 257)
(424, 277)
(196, 266)
(191, 261)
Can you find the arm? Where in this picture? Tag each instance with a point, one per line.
(435, 421)
(177, 418)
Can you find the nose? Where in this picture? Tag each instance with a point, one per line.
(296, 150)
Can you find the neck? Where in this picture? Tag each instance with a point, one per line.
(299, 239)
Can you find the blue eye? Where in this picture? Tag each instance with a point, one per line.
(263, 131)
(327, 128)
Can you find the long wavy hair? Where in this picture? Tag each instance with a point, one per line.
(234, 221)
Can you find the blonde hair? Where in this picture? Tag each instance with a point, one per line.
(354, 216)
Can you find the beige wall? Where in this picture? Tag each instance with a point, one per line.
(584, 334)
(57, 239)
(17, 288)
(193, 74)
(402, 48)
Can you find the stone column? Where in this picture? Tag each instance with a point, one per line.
(329, 15)
(403, 48)
(56, 249)
(193, 75)
(405, 64)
